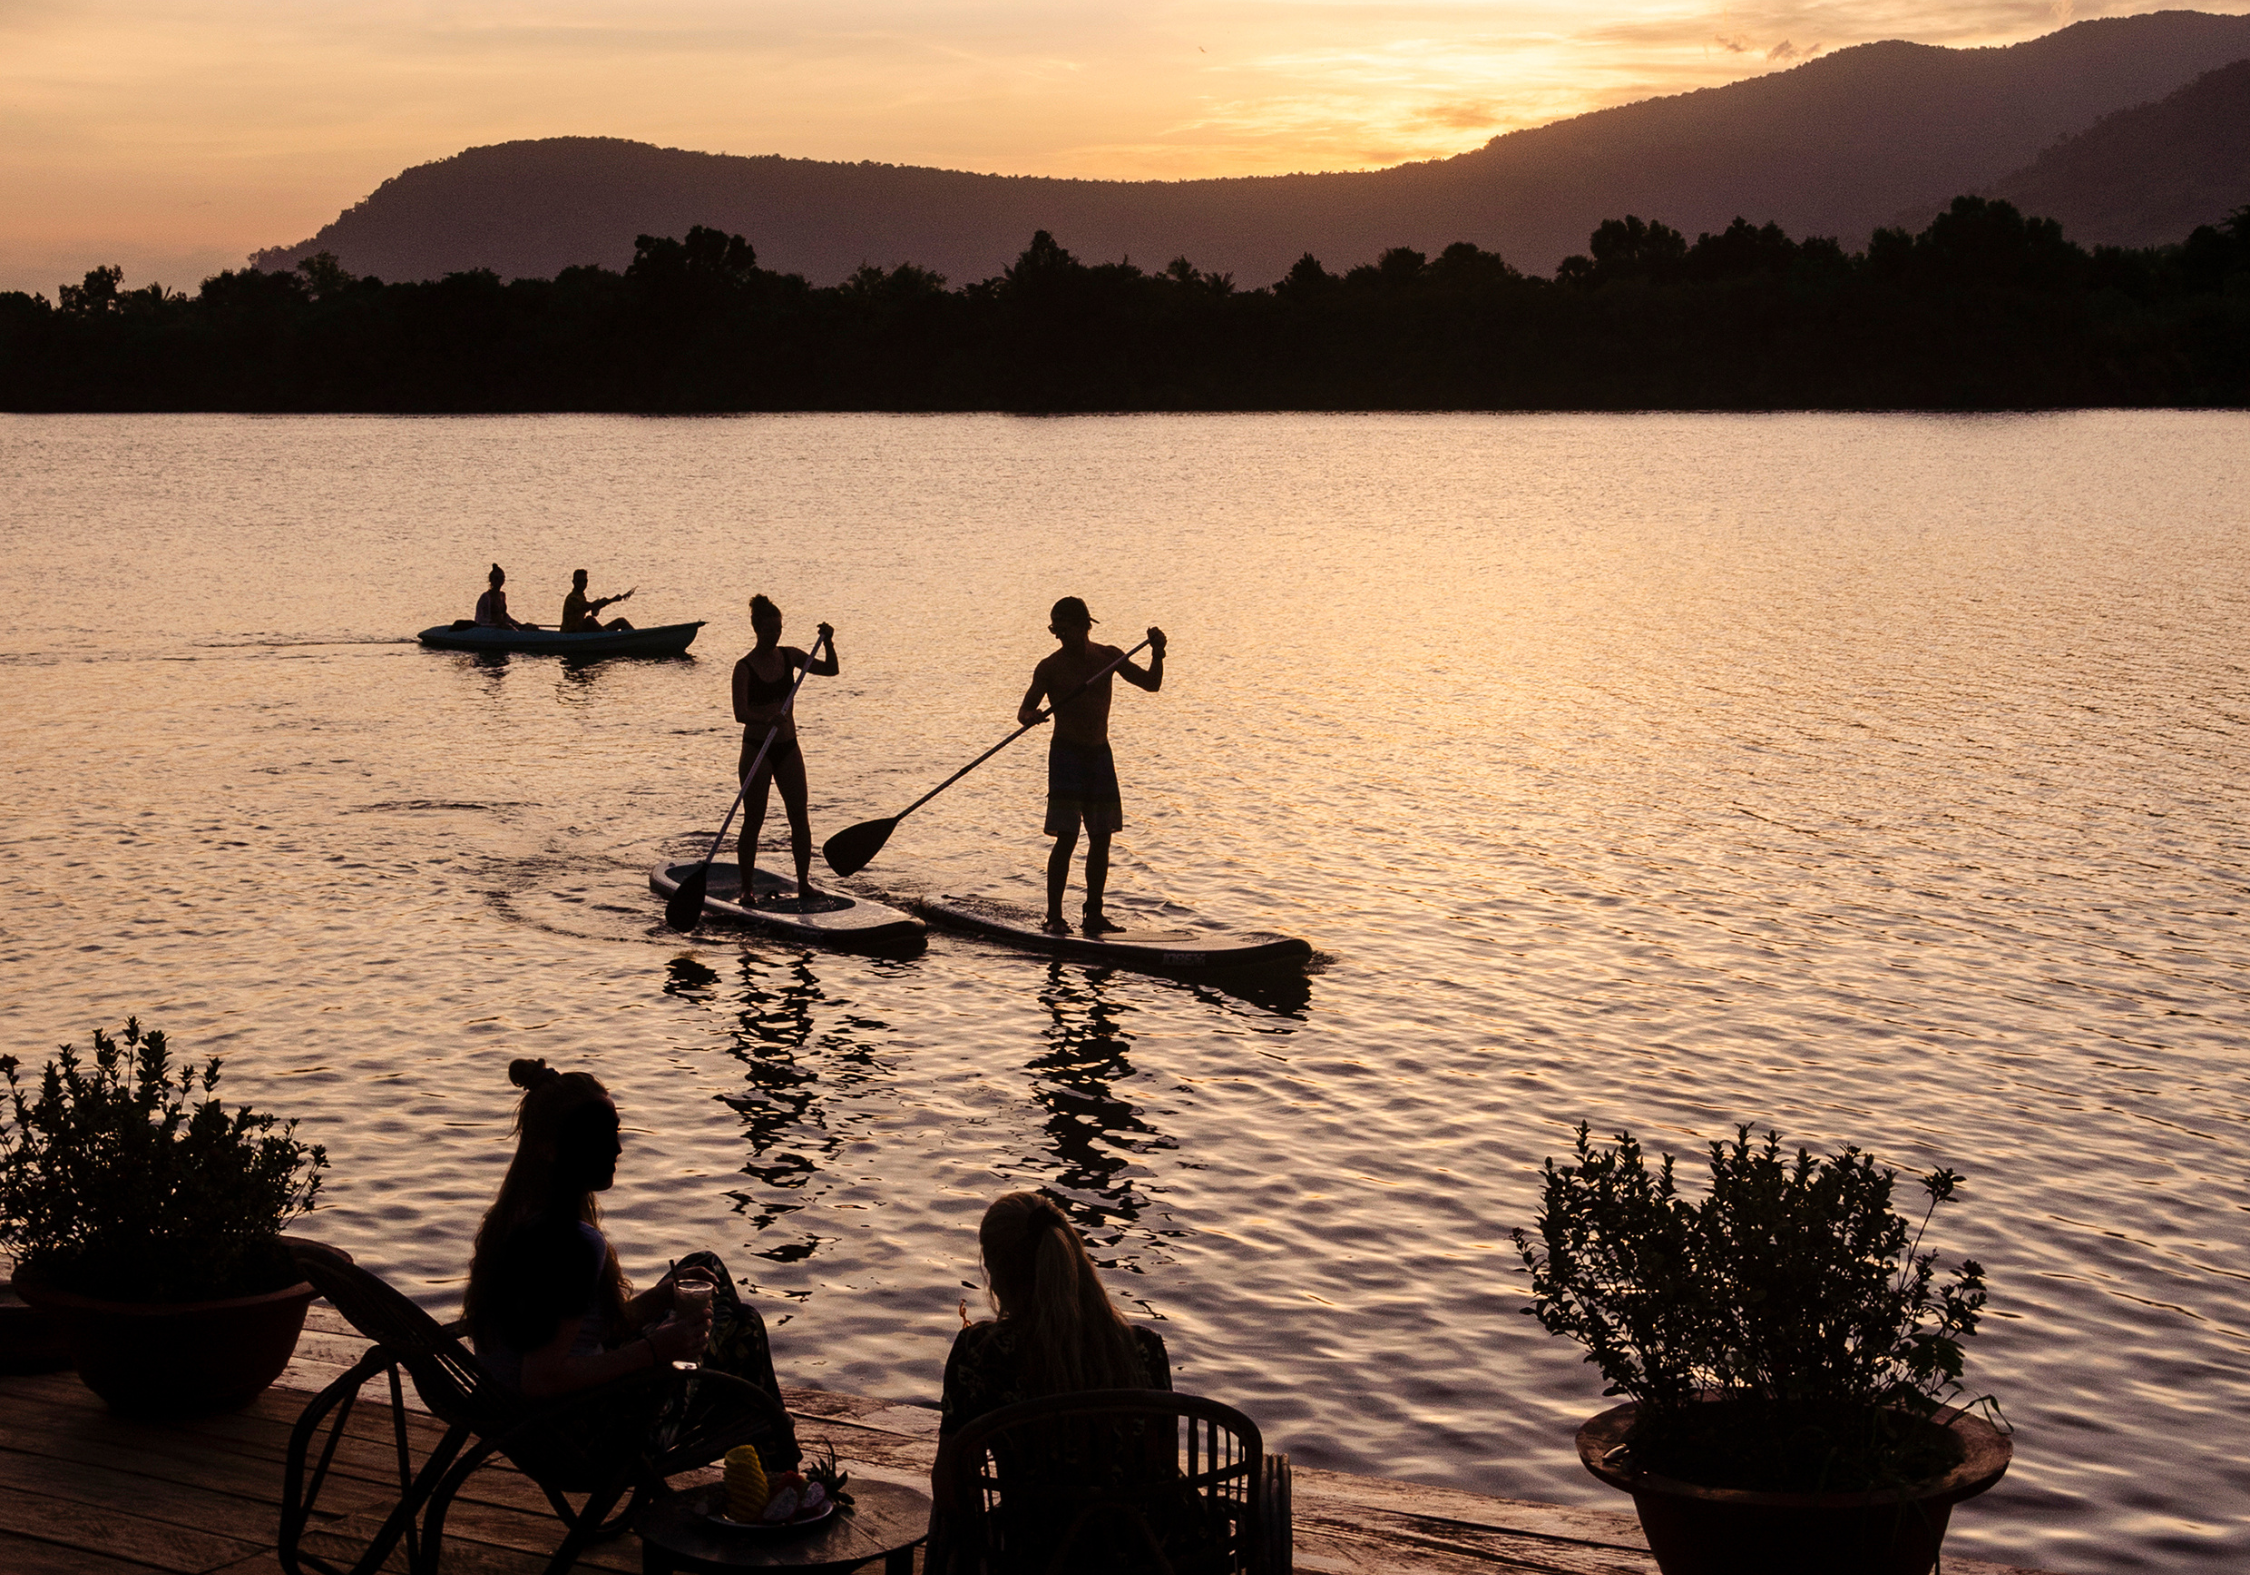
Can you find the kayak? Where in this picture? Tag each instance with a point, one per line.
(665, 640)
(1130, 948)
(828, 918)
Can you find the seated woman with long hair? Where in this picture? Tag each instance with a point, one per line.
(548, 1303)
(1056, 1332)
(1097, 1495)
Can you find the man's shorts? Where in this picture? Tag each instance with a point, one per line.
(1081, 786)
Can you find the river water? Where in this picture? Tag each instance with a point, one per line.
(1877, 778)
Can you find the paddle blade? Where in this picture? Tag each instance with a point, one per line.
(683, 910)
(849, 851)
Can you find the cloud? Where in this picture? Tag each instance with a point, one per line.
(1463, 117)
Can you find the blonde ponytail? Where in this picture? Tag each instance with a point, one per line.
(1069, 1334)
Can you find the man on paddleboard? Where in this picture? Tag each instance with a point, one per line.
(1081, 774)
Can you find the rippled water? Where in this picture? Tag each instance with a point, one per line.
(1878, 778)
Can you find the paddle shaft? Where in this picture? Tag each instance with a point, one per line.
(772, 733)
(1019, 732)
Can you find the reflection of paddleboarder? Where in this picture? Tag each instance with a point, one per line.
(762, 688)
(1081, 774)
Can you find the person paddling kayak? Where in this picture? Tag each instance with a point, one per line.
(1081, 772)
(762, 683)
(583, 616)
(492, 606)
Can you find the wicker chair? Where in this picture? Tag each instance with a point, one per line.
(1145, 1480)
(597, 1442)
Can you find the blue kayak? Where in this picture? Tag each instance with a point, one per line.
(666, 640)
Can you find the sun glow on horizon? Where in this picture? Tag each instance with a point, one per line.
(177, 139)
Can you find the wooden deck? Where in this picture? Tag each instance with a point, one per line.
(86, 1493)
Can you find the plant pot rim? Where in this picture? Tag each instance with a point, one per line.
(1985, 1459)
(40, 1292)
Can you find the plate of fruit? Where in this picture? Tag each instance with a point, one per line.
(787, 1501)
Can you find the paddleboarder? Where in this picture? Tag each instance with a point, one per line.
(763, 682)
(1081, 772)
(583, 616)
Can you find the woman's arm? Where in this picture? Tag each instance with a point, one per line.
(832, 666)
(552, 1370)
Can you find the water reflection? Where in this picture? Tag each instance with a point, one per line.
(1281, 992)
(1095, 1133)
(810, 1069)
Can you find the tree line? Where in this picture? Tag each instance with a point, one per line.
(1984, 309)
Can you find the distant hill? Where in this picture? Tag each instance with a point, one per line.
(2148, 175)
(1835, 147)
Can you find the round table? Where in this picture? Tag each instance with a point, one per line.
(885, 1522)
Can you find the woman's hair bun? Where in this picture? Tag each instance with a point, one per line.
(528, 1072)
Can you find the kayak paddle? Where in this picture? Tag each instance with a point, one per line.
(849, 851)
(683, 910)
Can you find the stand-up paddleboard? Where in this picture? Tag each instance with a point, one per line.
(1129, 948)
(830, 918)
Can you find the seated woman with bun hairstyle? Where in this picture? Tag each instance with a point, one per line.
(548, 1303)
(1056, 1333)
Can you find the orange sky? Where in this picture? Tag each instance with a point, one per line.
(175, 138)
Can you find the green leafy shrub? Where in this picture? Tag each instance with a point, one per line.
(116, 1181)
(1786, 1333)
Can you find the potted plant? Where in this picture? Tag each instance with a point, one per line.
(1786, 1349)
(145, 1221)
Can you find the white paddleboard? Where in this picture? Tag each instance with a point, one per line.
(828, 918)
(1131, 948)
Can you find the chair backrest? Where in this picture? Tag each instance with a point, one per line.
(457, 1388)
(1125, 1479)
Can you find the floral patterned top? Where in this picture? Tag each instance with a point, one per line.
(984, 1371)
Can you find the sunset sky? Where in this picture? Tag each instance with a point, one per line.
(174, 138)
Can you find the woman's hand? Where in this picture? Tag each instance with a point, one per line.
(681, 1339)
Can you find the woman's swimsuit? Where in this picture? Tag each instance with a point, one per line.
(761, 691)
(758, 691)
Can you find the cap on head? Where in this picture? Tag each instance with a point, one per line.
(1071, 612)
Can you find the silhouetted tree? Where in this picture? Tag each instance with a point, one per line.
(1628, 249)
(96, 296)
(1985, 308)
(1978, 241)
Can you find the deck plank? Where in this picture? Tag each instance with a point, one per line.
(85, 1492)
(112, 1531)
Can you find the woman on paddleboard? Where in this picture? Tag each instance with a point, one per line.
(763, 683)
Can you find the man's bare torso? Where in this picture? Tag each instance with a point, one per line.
(1084, 720)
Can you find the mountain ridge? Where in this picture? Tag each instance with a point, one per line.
(1836, 146)
(2095, 183)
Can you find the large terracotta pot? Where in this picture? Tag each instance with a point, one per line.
(1696, 1530)
(172, 1358)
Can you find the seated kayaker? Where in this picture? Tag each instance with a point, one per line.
(492, 606)
(581, 616)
